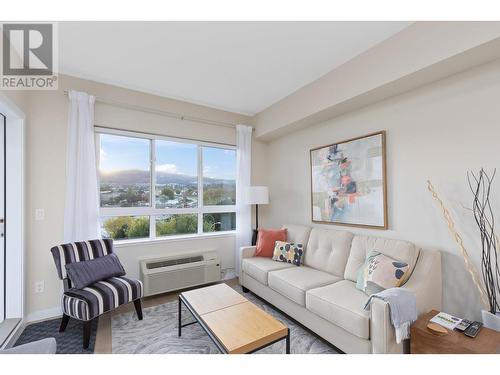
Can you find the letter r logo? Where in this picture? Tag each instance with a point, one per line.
(27, 49)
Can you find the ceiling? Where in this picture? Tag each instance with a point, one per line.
(242, 67)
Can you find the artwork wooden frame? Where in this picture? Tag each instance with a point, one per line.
(349, 182)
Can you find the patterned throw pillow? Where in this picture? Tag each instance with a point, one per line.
(380, 272)
(288, 252)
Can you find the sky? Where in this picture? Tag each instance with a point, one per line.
(123, 153)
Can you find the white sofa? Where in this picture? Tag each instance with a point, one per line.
(321, 293)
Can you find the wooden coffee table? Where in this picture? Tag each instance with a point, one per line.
(233, 323)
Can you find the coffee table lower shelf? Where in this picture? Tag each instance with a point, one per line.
(213, 337)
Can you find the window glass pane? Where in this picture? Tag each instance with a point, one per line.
(218, 222)
(124, 170)
(169, 225)
(125, 227)
(219, 176)
(176, 175)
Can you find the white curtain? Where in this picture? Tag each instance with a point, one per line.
(81, 211)
(243, 172)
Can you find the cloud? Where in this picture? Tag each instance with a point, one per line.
(103, 155)
(167, 168)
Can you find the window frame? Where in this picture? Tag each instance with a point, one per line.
(152, 211)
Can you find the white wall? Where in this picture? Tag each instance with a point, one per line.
(437, 132)
(46, 121)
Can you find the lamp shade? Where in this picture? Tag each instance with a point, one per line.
(257, 195)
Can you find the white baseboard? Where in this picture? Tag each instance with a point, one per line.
(40, 315)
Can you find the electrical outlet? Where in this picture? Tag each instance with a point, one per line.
(39, 214)
(39, 286)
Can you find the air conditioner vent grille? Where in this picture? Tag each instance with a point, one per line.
(173, 262)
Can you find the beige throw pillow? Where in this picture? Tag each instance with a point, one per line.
(380, 272)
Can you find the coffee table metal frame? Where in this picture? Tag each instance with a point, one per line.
(212, 336)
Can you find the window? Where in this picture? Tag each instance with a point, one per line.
(124, 171)
(176, 175)
(156, 187)
(219, 176)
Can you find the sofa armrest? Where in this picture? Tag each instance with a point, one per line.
(246, 252)
(426, 283)
(382, 332)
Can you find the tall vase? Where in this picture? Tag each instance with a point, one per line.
(490, 320)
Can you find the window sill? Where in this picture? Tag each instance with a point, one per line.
(185, 237)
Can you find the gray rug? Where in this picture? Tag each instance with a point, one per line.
(157, 333)
(68, 342)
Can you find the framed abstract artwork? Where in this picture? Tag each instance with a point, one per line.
(348, 182)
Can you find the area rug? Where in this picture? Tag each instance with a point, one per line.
(157, 333)
(68, 342)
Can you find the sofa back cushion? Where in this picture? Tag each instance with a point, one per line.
(328, 250)
(298, 234)
(397, 249)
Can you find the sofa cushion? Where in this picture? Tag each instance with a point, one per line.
(258, 267)
(397, 249)
(294, 282)
(328, 250)
(297, 234)
(288, 252)
(380, 272)
(266, 238)
(343, 305)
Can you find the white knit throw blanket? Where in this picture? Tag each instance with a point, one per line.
(402, 308)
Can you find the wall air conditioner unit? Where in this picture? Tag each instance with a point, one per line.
(166, 274)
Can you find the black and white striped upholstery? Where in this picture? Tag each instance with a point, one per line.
(100, 297)
(79, 251)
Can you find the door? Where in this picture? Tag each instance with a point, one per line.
(2, 217)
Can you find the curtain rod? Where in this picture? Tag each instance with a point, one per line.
(176, 116)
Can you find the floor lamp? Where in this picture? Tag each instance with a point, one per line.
(257, 195)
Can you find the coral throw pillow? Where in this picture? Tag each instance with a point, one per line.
(266, 240)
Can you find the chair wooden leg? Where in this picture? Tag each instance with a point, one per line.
(64, 323)
(87, 329)
(138, 308)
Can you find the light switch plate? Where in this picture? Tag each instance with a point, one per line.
(39, 214)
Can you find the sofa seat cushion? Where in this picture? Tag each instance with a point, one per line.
(259, 267)
(294, 282)
(343, 305)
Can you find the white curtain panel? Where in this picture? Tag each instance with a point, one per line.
(243, 173)
(81, 211)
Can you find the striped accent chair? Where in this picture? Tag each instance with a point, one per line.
(96, 299)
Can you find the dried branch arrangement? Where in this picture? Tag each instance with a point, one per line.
(458, 239)
(480, 186)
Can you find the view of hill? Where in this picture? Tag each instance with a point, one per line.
(142, 177)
